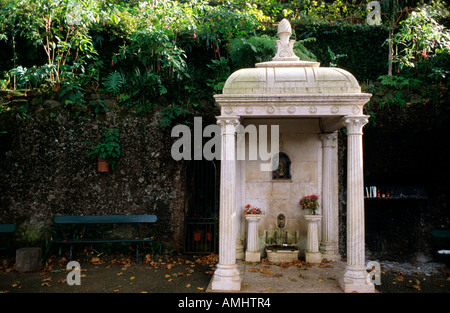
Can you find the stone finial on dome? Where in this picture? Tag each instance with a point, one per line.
(285, 47)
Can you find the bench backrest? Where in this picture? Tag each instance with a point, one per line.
(7, 228)
(441, 233)
(113, 219)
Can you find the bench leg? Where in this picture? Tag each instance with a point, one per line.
(137, 253)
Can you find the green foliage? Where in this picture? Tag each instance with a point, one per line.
(171, 54)
(399, 82)
(222, 71)
(366, 56)
(108, 147)
(334, 57)
(246, 52)
(419, 39)
(113, 82)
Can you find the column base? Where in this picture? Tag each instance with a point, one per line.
(329, 251)
(313, 257)
(240, 254)
(252, 256)
(355, 280)
(226, 278)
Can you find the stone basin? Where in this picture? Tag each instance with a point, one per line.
(281, 253)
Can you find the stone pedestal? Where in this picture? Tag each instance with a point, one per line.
(312, 246)
(28, 260)
(253, 253)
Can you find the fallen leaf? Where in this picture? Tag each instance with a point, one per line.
(188, 285)
(167, 276)
(200, 288)
(45, 284)
(119, 274)
(132, 277)
(62, 280)
(399, 278)
(170, 279)
(320, 280)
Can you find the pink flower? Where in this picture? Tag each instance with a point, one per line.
(424, 53)
(195, 36)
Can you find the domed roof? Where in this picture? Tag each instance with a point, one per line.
(298, 78)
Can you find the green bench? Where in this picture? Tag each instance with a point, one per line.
(7, 229)
(79, 232)
(441, 244)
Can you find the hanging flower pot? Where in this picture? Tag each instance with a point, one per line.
(102, 165)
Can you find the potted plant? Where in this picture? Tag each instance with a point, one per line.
(107, 150)
(310, 203)
(249, 210)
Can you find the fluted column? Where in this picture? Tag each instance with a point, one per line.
(226, 276)
(355, 275)
(329, 247)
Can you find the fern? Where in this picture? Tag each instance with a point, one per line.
(113, 82)
(247, 52)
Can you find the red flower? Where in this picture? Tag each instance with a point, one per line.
(424, 53)
(195, 36)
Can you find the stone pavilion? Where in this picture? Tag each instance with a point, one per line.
(309, 104)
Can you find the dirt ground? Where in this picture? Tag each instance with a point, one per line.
(176, 273)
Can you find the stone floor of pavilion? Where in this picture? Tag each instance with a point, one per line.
(290, 278)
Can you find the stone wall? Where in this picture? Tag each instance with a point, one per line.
(45, 170)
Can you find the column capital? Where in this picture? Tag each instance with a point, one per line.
(354, 124)
(329, 139)
(228, 120)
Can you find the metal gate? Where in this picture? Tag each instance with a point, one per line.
(200, 207)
